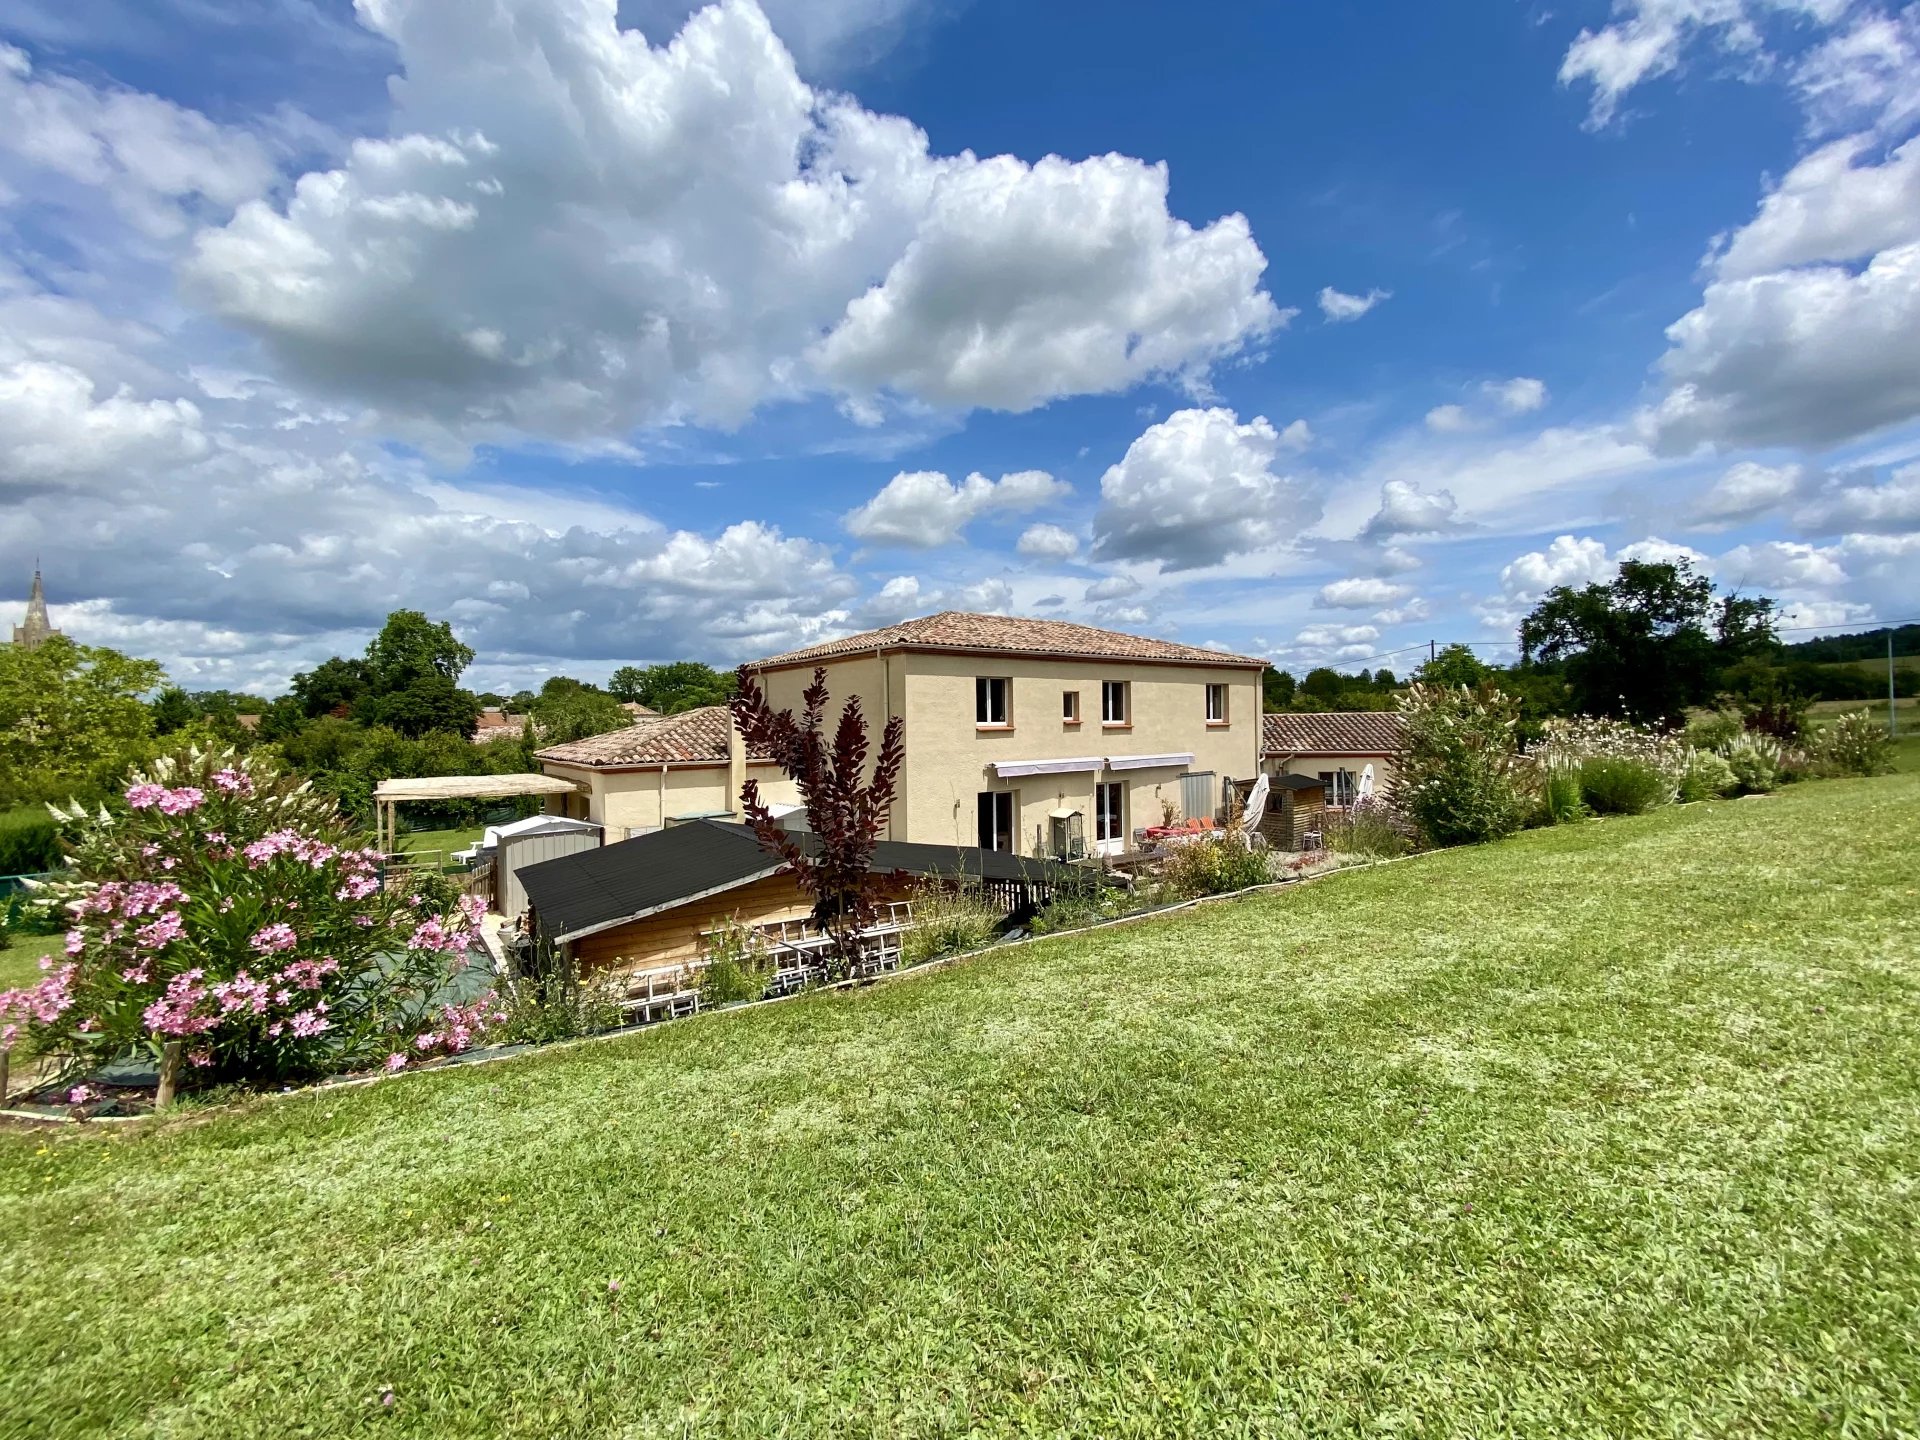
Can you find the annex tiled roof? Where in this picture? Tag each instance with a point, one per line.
(1332, 732)
(960, 630)
(651, 740)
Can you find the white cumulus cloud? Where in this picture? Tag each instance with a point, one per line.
(1048, 542)
(1195, 489)
(573, 233)
(922, 508)
(1360, 593)
(1339, 306)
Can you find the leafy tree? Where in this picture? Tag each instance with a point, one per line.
(1454, 665)
(410, 645)
(490, 699)
(575, 714)
(412, 667)
(846, 808)
(72, 719)
(426, 703)
(282, 719)
(627, 682)
(521, 702)
(1323, 683)
(675, 686)
(1639, 647)
(173, 710)
(1277, 689)
(333, 687)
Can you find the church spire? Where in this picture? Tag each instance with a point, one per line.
(39, 627)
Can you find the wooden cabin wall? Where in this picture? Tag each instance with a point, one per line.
(672, 937)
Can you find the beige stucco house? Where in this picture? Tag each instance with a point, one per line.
(1015, 727)
(660, 770)
(1333, 746)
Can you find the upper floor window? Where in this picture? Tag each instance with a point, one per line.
(1216, 704)
(1116, 702)
(993, 701)
(1070, 707)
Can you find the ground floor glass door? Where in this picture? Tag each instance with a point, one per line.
(1109, 821)
(996, 820)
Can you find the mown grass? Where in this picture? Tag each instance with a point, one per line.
(1607, 1130)
(421, 842)
(20, 962)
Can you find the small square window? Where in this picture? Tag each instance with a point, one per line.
(1070, 706)
(993, 701)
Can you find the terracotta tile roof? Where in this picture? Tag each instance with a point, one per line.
(1332, 732)
(959, 630)
(651, 740)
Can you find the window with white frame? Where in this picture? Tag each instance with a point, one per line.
(1109, 812)
(1216, 704)
(1116, 702)
(993, 701)
(1070, 707)
(1339, 785)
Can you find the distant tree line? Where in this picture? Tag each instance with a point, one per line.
(1648, 645)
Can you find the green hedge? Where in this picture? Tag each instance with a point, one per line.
(29, 841)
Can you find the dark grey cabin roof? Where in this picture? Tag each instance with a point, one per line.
(595, 889)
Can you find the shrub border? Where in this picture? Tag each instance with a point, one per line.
(485, 1056)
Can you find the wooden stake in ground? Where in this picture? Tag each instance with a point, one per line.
(169, 1075)
(6, 1063)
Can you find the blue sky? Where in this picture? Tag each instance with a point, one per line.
(1312, 331)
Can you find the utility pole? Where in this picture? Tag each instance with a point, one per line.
(1893, 708)
(1430, 651)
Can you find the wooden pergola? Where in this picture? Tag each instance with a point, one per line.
(390, 793)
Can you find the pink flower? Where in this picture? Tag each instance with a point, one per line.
(146, 796)
(179, 802)
(432, 934)
(202, 1056)
(233, 782)
(174, 1013)
(280, 842)
(159, 932)
(358, 887)
(396, 1061)
(44, 1002)
(7, 1034)
(138, 974)
(274, 937)
(226, 904)
(81, 1094)
(309, 1023)
(307, 974)
(243, 992)
(76, 942)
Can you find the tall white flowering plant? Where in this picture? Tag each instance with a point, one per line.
(1455, 774)
(225, 907)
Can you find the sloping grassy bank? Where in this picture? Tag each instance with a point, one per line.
(1613, 1129)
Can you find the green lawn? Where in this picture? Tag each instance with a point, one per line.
(20, 963)
(418, 842)
(1605, 1131)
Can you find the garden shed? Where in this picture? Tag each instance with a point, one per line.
(1296, 809)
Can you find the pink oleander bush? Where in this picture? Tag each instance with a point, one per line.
(226, 906)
